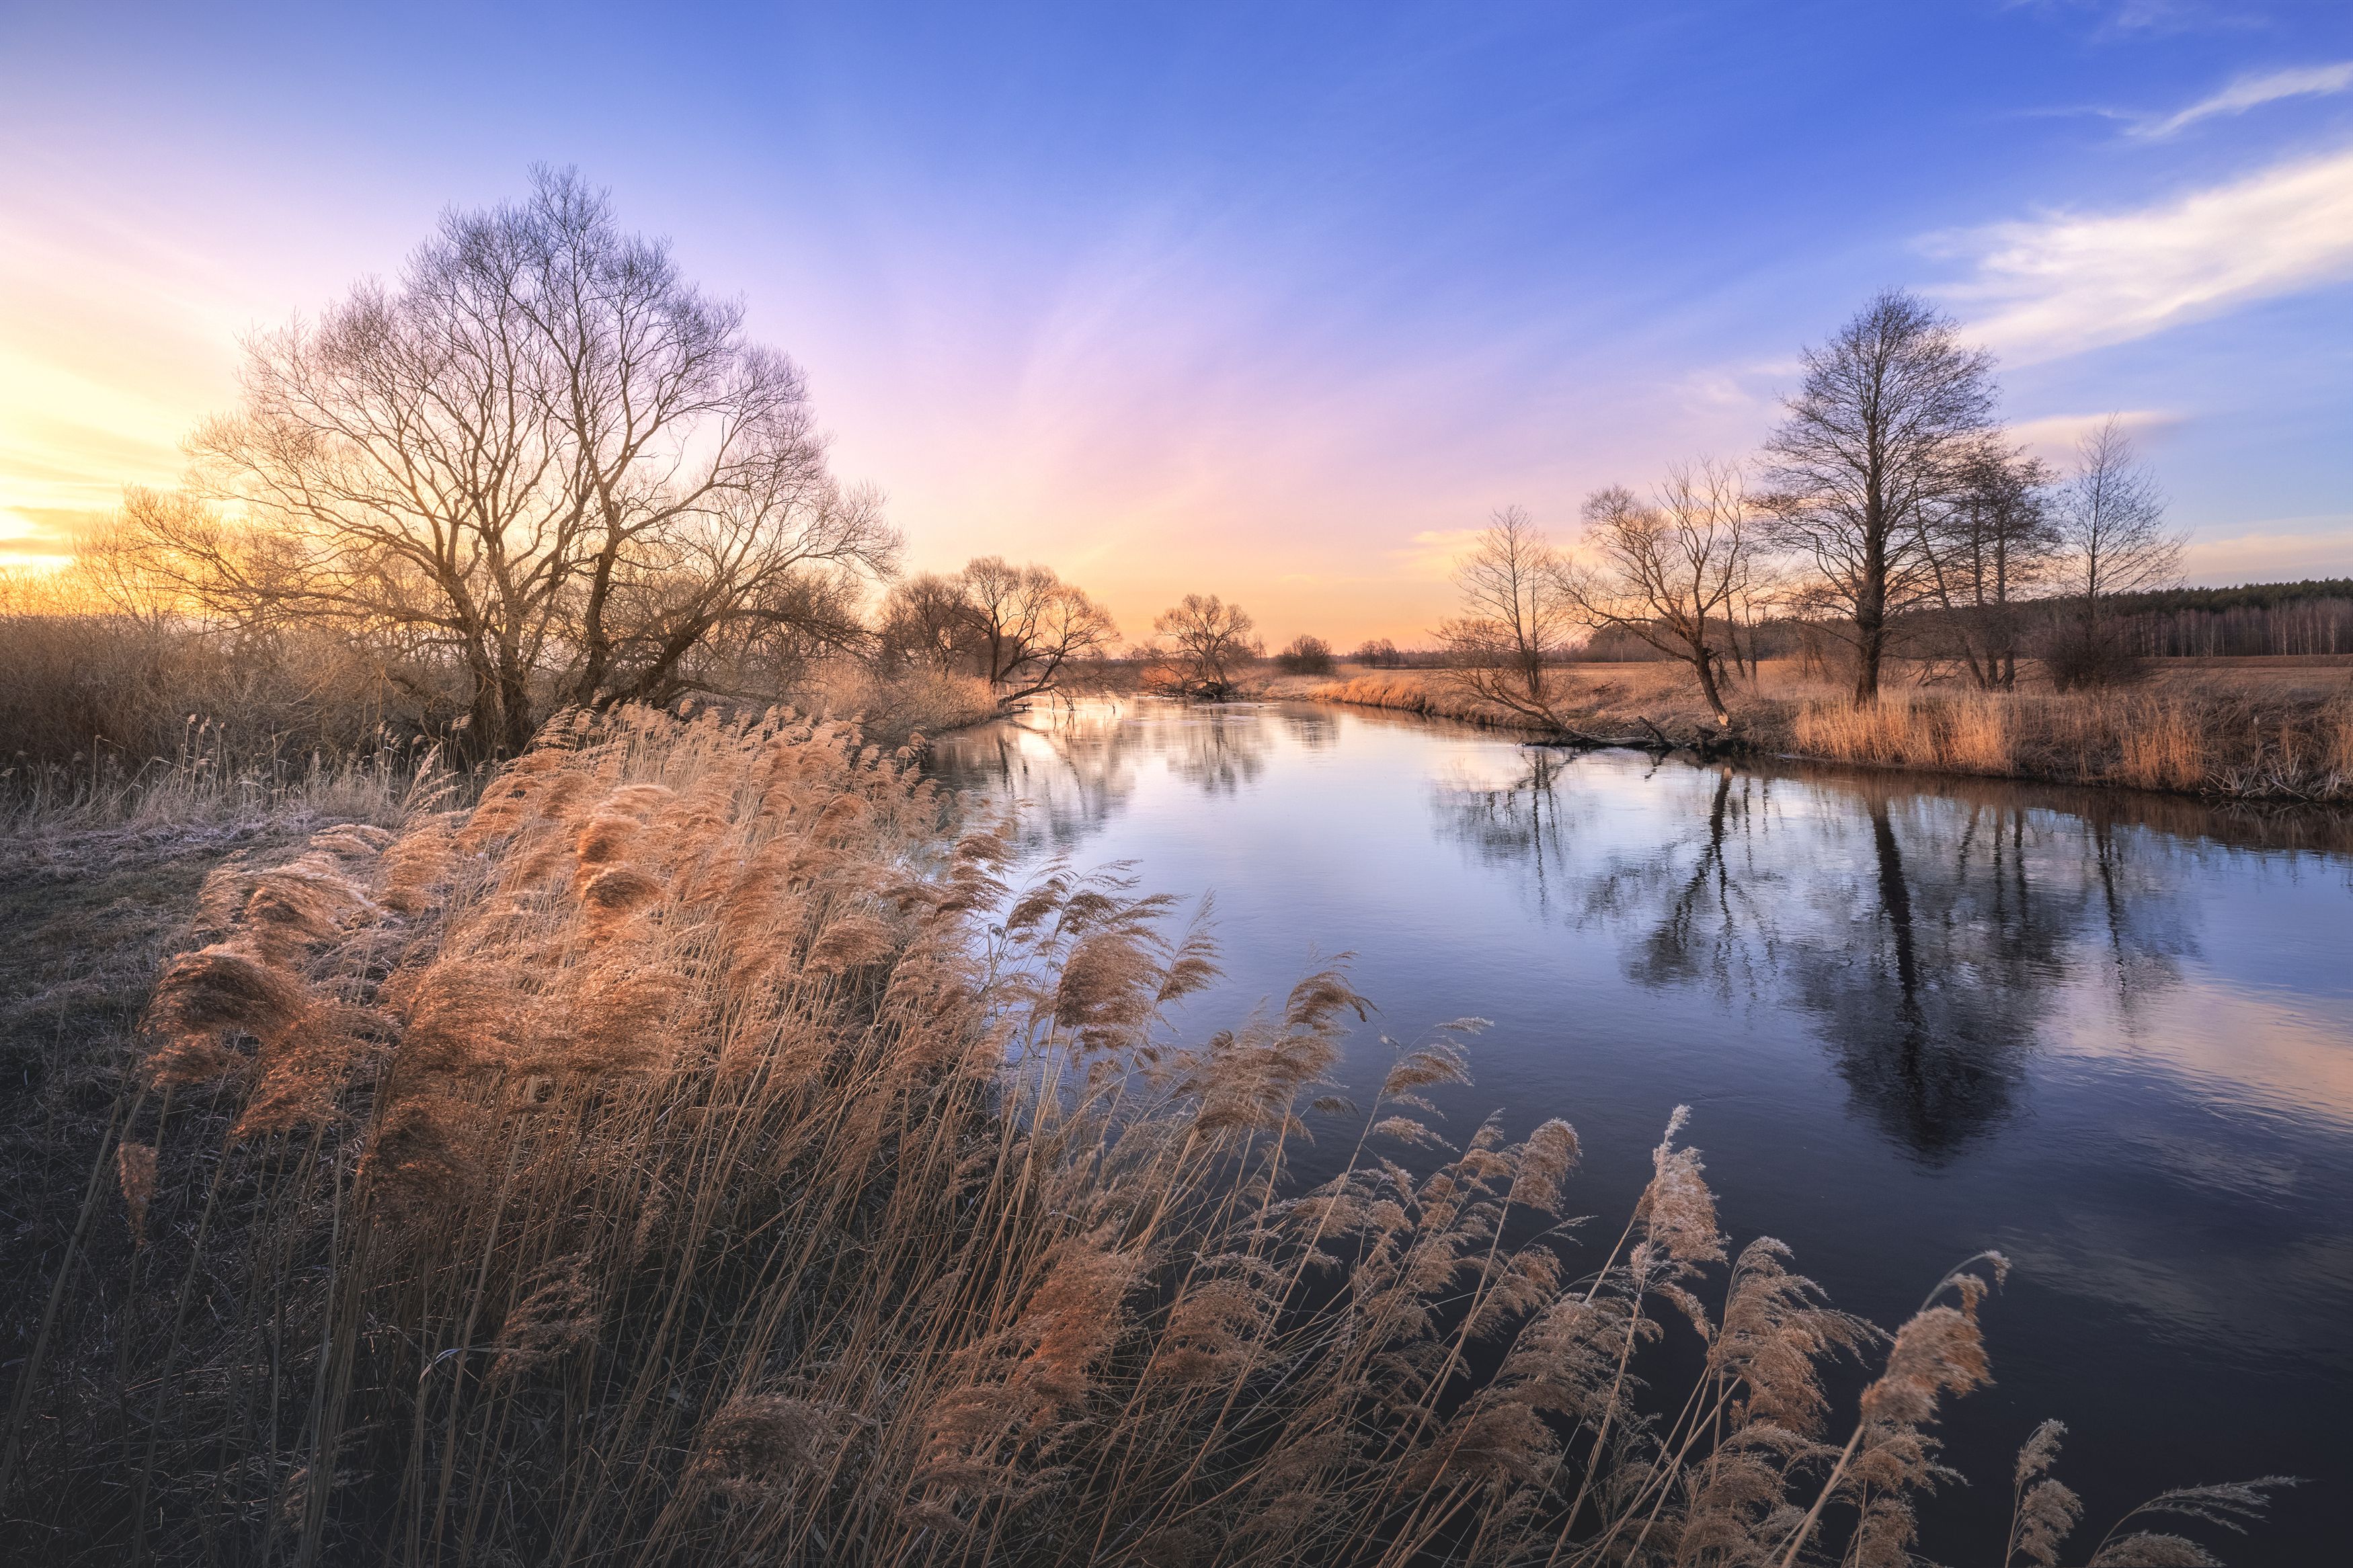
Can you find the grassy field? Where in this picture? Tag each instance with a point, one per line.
(2247, 729)
(695, 1152)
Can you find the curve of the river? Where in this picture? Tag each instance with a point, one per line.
(2110, 1035)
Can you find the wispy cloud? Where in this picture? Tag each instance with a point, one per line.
(2115, 16)
(2053, 437)
(2253, 92)
(1432, 553)
(2069, 281)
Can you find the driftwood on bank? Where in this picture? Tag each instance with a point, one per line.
(1725, 742)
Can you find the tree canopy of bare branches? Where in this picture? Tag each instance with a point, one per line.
(1016, 627)
(544, 454)
(1672, 573)
(2108, 523)
(1516, 620)
(1874, 438)
(1027, 624)
(1203, 642)
(1987, 542)
(2110, 532)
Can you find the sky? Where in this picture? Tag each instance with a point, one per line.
(1273, 300)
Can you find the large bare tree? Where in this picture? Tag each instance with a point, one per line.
(544, 453)
(1872, 440)
(926, 624)
(1517, 617)
(1673, 573)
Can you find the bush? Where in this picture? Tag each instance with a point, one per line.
(2080, 656)
(1305, 655)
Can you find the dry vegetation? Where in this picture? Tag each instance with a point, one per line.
(2282, 732)
(693, 1152)
(115, 719)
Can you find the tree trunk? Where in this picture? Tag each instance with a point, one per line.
(1715, 701)
(1869, 643)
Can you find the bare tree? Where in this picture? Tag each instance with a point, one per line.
(1205, 642)
(2110, 524)
(925, 623)
(1985, 542)
(1672, 573)
(1516, 618)
(544, 454)
(1872, 440)
(2111, 539)
(1026, 624)
(1016, 627)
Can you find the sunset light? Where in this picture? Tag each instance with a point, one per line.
(1140, 785)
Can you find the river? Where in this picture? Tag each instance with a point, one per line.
(2110, 1035)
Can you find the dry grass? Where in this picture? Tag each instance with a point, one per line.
(2268, 734)
(892, 711)
(695, 1154)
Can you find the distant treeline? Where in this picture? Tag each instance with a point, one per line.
(2252, 620)
(2312, 616)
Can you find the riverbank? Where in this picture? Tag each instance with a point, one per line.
(2272, 731)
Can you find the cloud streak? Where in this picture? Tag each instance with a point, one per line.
(2253, 92)
(2058, 285)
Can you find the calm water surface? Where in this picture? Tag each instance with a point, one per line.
(2112, 1036)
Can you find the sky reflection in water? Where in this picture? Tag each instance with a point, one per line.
(2111, 1036)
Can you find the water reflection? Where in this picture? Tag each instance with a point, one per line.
(1070, 768)
(1929, 937)
(2111, 1034)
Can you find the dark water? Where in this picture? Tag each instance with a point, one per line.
(2111, 1036)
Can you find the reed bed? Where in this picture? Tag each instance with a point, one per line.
(2155, 740)
(206, 781)
(2204, 737)
(696, 1152)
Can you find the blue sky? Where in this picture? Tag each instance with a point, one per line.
(1271, 300)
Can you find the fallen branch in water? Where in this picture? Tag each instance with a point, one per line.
(1721, 743)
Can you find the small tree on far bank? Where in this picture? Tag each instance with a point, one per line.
(1203, 644)
(1516, 620)
(1672, 573)
(2111, 538)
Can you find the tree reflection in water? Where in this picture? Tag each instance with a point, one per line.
(1932, 937)
(1072, 767)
